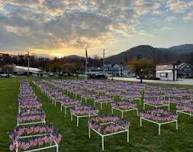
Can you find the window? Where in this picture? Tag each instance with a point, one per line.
(164, 75)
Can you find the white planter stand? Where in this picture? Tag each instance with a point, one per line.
(158, 123)
(55, 145)
(31, 123)
(157, 106)
(81, 116)
(65, 108)
(101, 103)
(184, 112)
(122, 111)
(106, 135)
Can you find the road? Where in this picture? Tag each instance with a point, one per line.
(180, 81)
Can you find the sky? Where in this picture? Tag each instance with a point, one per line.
(66, 27)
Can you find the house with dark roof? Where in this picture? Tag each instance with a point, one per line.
(185, 70)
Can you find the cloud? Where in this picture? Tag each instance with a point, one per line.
(179, 6)
(189, 16)
(63, 24)
(60, 23)
(176, 5)
(17, 30)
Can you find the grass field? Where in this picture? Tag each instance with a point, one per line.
(75, 139)
(8, 109)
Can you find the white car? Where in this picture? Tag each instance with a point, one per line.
(3, 75)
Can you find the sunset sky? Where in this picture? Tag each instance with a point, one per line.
(66, 27)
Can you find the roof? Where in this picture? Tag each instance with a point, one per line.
(164, 71)
(164, 67)
(25, 69)
(185, 65)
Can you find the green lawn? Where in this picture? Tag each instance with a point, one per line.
(75, 139)
(9, 89)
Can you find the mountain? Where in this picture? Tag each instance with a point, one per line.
(181, 49)
(161, 55)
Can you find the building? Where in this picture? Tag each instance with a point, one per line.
(111, 70)
(166, 72)
(22, 70)
(185, 70)
(116, 70)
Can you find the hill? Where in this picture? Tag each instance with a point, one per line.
(181, 49)
(160, 55)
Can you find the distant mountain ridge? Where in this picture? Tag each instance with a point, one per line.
(161, 55)
(180, 49)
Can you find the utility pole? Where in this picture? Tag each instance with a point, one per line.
(103, 61)
(28, 64)
(174, 71)
(86, 62)
(141, 75)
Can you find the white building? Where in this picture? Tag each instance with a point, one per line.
(166, 72)
(24, 70)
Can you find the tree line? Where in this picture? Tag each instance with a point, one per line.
(73, 64)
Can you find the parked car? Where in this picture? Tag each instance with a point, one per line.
(4, 75)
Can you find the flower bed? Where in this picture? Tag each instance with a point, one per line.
(30, 111)
(124, 107)
(34, 137)
(31, 130)
(156, 102)
(70, 102)
(108, 124)
(186, 108)
(25, 118)
(83, 110)
(102, 100)
(25, 112)
(158, 115)
(30, 105)
(27, 136)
